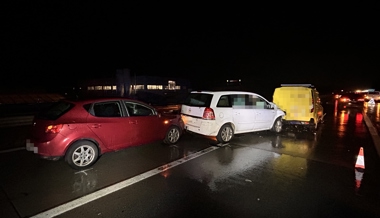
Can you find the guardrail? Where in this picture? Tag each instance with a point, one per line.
(16, 121)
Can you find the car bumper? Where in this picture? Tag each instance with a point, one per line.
(295, 122)
(206, 128)
(47, 150)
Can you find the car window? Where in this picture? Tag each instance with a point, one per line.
(55, 110)
(249, 102)
(224, 101)
(263, 104)
(135, 109)
(199, 99)
(239, 101)
(107, 109)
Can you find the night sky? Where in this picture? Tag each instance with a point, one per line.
(59, 43)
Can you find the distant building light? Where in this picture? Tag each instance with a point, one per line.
(107, 88)
(114, 87)
(90, 88)
(135, 87)
(98, 87)
(171, 85)
(154, 87)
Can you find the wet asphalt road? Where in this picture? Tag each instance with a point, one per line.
(294, 174)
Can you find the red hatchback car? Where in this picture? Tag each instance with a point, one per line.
(80, 131)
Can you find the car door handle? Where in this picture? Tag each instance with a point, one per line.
(96, 125)
(133, 122)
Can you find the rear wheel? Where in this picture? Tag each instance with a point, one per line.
(225, 133)
(82, 154)
(313, 126)
(172, 135)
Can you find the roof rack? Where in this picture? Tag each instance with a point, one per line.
(298, 85)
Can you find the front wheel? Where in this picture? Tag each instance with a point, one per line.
(82, 154)
(172, 135)
(225, 134)
(277, 125)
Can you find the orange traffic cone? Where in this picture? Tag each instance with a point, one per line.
(360, 160)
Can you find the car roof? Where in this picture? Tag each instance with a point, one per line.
(225, 92)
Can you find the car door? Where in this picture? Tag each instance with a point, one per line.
(147, 124)
(111, 125)
(243, 113)
(264, 113)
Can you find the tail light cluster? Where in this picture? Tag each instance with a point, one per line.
(53, 128)
(208, 114)
(344, 99)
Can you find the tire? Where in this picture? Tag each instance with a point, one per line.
(313, 127)
(82, 155)
(277, 125)
(225, 134)
(172, 135)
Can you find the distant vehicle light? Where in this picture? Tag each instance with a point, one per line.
(344, 99)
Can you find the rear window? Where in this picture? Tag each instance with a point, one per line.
(199, 100)
(55, 111)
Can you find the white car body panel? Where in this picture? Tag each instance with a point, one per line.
(243, 118)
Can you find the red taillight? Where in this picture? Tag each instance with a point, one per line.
(54, 128)
(208, 114)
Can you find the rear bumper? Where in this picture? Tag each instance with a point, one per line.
(51, 150)
(296, 122)
(206, 128)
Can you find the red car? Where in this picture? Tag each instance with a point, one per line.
(82, 130)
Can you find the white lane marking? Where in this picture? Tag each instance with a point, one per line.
(123, 184)
(13, 149)
(373, 132)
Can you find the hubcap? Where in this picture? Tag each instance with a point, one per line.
(173, 135)
(83, 155)
(278, 126)
(226, 134)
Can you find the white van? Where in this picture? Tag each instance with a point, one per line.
(225, 113)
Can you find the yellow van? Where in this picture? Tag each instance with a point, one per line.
(301, 104)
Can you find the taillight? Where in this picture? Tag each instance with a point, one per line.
(54, 128)
(344, 99)
(208, 114)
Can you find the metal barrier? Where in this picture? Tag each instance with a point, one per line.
(16, 121)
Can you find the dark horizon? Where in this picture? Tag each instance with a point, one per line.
(53, 45)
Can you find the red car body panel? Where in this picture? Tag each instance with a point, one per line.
(108, 133)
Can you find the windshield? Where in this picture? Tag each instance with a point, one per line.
(198, 99)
